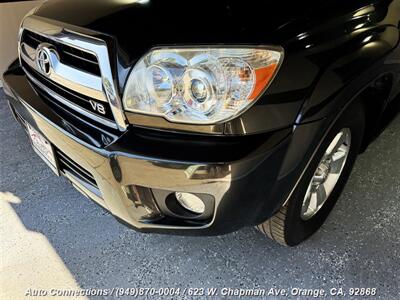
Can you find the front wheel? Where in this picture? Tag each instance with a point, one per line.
(321, 184)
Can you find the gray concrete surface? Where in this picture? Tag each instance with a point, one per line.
(359, 246)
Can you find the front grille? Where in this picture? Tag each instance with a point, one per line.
(71, 56)
(82, 101)
(77, 99)
(68, 165)
(72, 71)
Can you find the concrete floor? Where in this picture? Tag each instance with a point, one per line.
(51, 236)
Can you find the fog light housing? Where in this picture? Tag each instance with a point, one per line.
(191, 202)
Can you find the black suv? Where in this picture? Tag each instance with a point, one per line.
(201, 119)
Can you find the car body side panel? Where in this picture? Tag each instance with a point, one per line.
(351, 70)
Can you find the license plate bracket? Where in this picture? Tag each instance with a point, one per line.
(43, 148)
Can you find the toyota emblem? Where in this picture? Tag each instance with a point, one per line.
(43, 60)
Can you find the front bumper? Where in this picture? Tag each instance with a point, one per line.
(246, 180)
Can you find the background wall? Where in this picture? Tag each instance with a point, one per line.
(11, 14)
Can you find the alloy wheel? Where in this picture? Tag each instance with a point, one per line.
(327, 174)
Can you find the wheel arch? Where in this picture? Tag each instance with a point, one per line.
(374, 99)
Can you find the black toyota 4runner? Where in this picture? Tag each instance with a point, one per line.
(201, 119)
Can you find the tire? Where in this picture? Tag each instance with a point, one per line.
(289, 226)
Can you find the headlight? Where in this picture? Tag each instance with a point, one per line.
(200, 86)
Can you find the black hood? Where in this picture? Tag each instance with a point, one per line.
(140, 25)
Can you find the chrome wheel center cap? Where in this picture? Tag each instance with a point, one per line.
(322, 173)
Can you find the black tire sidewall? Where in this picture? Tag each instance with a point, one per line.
(296, 229)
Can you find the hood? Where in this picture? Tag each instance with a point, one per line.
(138, 25)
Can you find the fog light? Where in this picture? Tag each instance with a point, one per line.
(190, 202)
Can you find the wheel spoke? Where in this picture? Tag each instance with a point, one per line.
(336, 143)
(341, 153)
(313, 202)
(308, 193)
(331, 182)
(337, 163)
(321, 195)
(306, 203)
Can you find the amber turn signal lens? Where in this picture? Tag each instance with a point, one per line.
(263, 78)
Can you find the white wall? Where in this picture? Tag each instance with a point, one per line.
(11, 14)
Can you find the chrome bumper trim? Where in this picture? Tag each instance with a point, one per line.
(149, 172)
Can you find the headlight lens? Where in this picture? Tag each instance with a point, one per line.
(199, 86)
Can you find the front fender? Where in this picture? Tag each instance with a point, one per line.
(365, 51)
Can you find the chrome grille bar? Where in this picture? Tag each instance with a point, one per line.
(70, 104)
(74, 79)
(68, 55)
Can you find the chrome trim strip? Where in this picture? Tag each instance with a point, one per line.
(71, 105)
(74, 37)
(29, 52)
